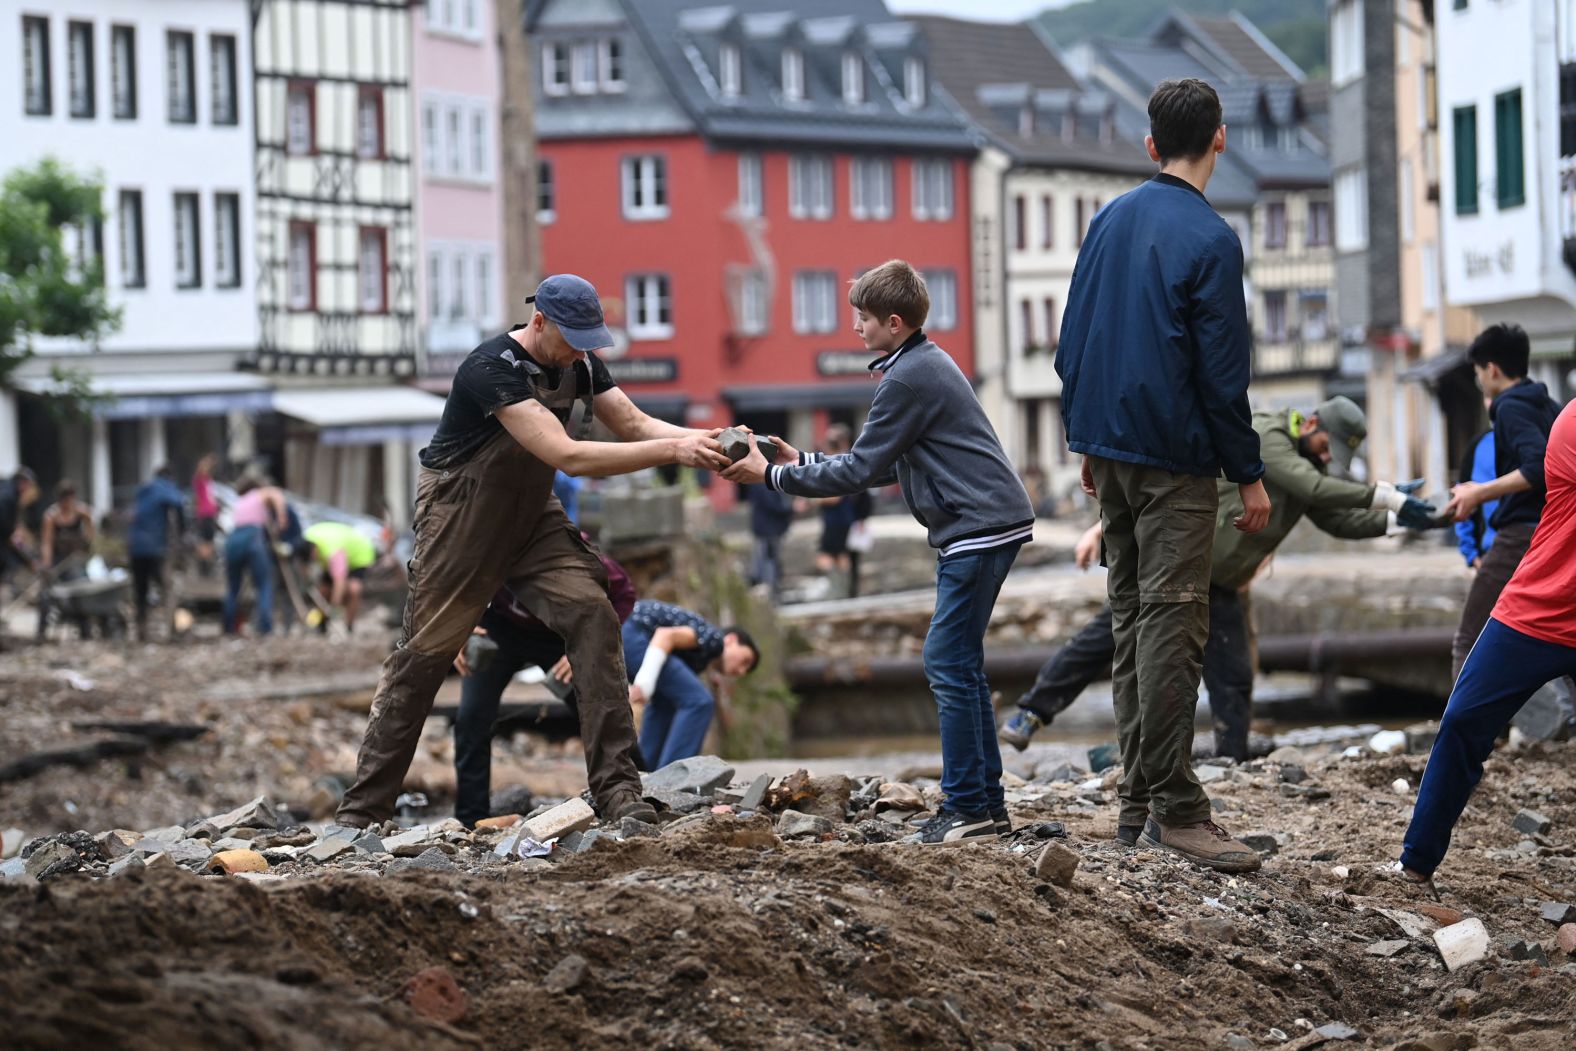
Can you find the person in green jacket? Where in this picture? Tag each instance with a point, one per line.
(1297, 450)
(343, 554)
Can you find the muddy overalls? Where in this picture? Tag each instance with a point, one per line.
(493, 521)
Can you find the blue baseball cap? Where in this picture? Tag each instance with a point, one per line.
(571, 303)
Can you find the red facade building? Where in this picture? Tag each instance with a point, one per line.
(721, 174)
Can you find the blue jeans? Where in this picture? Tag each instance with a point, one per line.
(678, 713)
(1504, 668)
(966, 590)
(246, 551)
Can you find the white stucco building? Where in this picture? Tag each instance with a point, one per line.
(155, 97)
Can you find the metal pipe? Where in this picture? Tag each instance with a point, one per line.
(1320, 652)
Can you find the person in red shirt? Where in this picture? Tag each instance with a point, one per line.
(1530, 639)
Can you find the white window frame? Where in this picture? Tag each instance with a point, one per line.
(1351, 209)
(730, 71)
(372, 272)
(814, 301)
(752, 192)
(546, 177)
(793, 74)
(933, 197)
(300, 274)
(643, 182)
(431, 137)
(454, 139)
(480, 144)
(133, 258)
(188, 240)
(459, 286)
(1346, 42)
(227, 239)
(754, 303)
(1430, 276)
(853, 78)
(610, 64)
(811, 190)
(870, 188)
(943, 288)
(914, 87)
(583, 76)
(647, 297)
(486, 278)
(555, 68)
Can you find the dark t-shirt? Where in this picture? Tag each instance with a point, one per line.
(492, 376)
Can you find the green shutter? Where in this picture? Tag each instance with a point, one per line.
(1510, 179)
(1465, 118)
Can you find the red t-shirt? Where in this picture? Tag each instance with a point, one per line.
(1540, 599)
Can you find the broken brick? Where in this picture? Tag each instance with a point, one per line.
(433, 993)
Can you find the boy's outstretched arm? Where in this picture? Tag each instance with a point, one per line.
(896, 420)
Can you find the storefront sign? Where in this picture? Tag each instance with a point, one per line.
(844, 362)
(644, 370)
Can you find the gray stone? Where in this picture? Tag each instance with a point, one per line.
(1209, 773)
(698, 774)
(1062, 771)
(634, 828)
(1057, 864)
(1557, 912)
(190, 852)
(1291, 773)
(516, 799)
(1547, 714)
(1420, 738)
(230, 843)
(792, 823)
(1263, 842)
(259, 813)
(1389, 947)
(128, 864)
(1210, 928)
(756, 793)
(409, 843)
(1337, 1031)
(1532, 823)
(329, 849)
(369, 844)
(52, 859)
(680, 802)
(433, 860)
(567, 975)
(1521, 949)
(14, 868)
(203, 829)
(168, 834)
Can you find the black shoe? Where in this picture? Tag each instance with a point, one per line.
(949, 828)
(1127, 835)
(1003, 821)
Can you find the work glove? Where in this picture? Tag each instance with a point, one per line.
(1409, 487)
(1417, 514)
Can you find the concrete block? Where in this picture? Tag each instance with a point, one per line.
(574, 816)
(1462, 943)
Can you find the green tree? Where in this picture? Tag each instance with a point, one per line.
(45, 289)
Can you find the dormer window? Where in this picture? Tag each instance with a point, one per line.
(914, 82)
(729, 73)
(853, 78)
(793, 75)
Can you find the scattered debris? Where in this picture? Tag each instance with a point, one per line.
(1057, 864)
(1462, 943)
(434, 994)
(1532, 823)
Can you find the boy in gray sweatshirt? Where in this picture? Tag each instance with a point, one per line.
(927, 432)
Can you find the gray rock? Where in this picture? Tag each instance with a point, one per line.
(14, 868)
(751, 800)
(1420, 738)
(53, 859)
(588, 839)
(329, 849)
(409, 843)
(1209, 773)
(168, 834)
(368, 844)
(1547, 714)
(680, 802)
(1263, 842)
(862, 798)
(204, 829)
(567, 975)
(699, 774)
(1058, 772)
(1291, 773)
(1532, 823)
(259, 813)
(1521, 949)
(1057, 864)
(634, 828)
(516, 799)
(1558, 912)
(1210, 928)
(433, 860)
(128, 864)
(190, 852)
(1337, 1031)
(1389, 947)
(792, 823)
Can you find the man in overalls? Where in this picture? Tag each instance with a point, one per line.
(486, 518)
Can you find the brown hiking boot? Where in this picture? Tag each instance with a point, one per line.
(1204, 843)
(629, 804)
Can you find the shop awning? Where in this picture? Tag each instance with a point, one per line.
(363, 415)
(142, 395)
(1430, 371)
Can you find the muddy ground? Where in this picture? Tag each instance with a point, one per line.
(720, 934)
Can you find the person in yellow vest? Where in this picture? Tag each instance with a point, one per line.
(343, 554)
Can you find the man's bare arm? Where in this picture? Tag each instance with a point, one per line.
(539, 433)
(624, 418)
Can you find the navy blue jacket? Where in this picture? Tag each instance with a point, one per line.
(155, 501)
(1155, 346)
(1522, 416)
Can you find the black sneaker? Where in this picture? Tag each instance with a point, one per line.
(1003, 821)
(1127, 835)
(950, 828)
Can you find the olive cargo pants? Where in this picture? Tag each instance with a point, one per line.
(490, 522)
(1159, 532)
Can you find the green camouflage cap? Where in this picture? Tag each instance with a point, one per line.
(1347, 427)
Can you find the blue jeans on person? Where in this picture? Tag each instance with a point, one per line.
(678, 713)
(1504, 669)
(966, 590)
(246, 551)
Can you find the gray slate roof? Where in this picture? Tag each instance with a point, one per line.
(993, 70)
(685, 43)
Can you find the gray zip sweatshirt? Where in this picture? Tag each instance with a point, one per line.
(927, 432)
